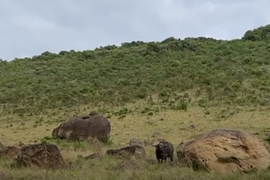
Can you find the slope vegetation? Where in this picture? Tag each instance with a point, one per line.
(141, 86)
(173, 72)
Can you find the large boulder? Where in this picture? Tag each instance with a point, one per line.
(129, 152)
(84, 127)
(224, 150)
(40, 155)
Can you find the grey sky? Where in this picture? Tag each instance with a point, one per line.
(31, 27)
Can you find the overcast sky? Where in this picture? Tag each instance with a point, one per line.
(31, 27)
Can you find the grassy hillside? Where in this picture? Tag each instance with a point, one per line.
(143, 87)
(209, 71)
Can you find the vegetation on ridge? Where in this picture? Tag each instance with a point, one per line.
(205, 70)
(169, 74)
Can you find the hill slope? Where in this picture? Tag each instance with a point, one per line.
(175, 74)
(209, 71)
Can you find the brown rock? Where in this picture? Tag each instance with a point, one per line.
(94, 156)
(9, 151)
(139, 142)
(40, 155)
(136, 151)
(224, 150)
(96, 145)
(84, 127)
(158, 136)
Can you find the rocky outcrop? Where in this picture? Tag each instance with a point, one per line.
(136, 151)
(84, 127)
(40, 155)
(224, 150)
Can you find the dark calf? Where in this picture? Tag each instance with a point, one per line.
(164, 150)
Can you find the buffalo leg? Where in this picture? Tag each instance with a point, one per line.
(171, 158)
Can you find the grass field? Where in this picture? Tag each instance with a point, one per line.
(170, 87)
(174, 125)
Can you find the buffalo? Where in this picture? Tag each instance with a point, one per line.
(164, 150)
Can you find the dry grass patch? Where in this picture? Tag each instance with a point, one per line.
(176, 126)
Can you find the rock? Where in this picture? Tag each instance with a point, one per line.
(40, 155)
(94, 156)
(158, 136)
(96, 145)
(224, 150)
(139, 142)
(136, 151)
(1, 145)
(9, 151)
(84, 127)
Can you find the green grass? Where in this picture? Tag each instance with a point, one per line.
(206, 70)
(142, 87)
(91, 170)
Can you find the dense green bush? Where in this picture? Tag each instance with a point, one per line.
(217, 71)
